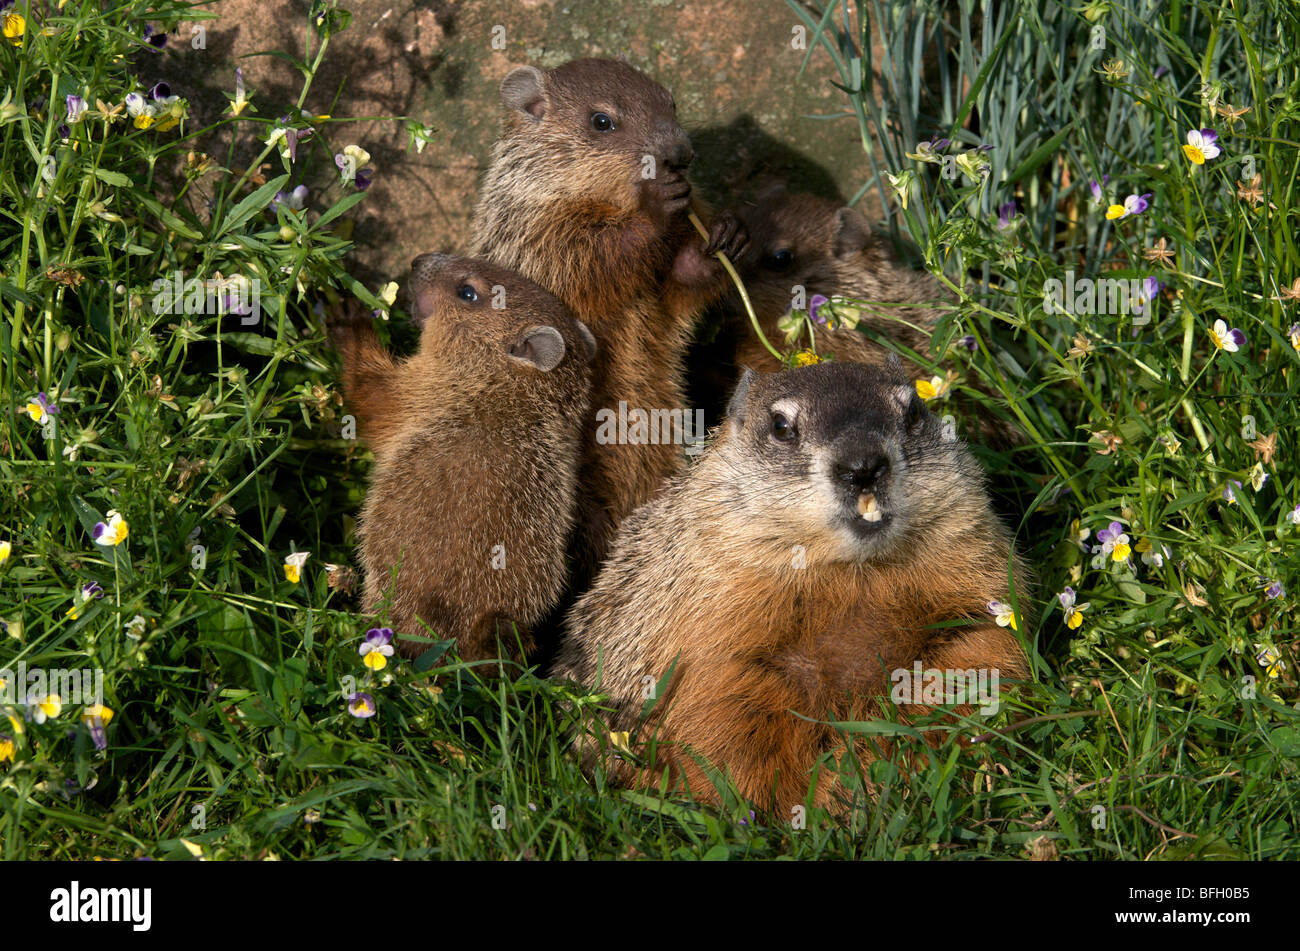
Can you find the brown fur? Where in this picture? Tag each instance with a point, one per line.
(476, 446)
(708, 577)
(568, 207)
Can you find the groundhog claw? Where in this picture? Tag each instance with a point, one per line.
(729, 235)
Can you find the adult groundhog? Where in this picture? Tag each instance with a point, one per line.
(471, 502)
(832, 535)
(587, 195)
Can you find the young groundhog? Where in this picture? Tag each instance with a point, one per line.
(587, 195)
(831, 536)
(472, 499)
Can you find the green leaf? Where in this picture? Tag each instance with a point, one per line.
(251, 204)
(112, 178)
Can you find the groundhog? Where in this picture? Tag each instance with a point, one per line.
(587, 195)
(476, 436)
(833, 533)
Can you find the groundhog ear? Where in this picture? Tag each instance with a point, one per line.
(852, 233)
(739, 397)
(588, 338)
(522, 90)
(543, 347)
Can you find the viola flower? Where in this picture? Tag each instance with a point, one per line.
(361, 705)
(76, 109)
(89, 592)
(377, 647)
(974, 165)
(1004, 614)
(14, 28)
(240, 102)
(1150, 556)
(112, 532)
(1073, 611)
(1258, 476)
(288, 138)
(968, 342)
(1228, 495)
(44, 708)
(929, 151)
(1079, 534)
(1147, 292)
(6, 549)
(421, 135)
(1294, 334)
(1270, 658)
(621, 740)
(156, 40)
(937, 387)
(1006, 212)
(96, 717)
(815, 304)
(1293, 516)
(1202, 145)
(295, 200)
(365, 177)
(901, 185)
(1225, 338)
(1274, 589)
(1114, 544)
(293, 566)
(1095, 188)
(135, 627)
(40, 409)
(1133, 205)
(805, 358)
(388, 293)
(7, 748)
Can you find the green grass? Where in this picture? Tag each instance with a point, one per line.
(1138, 736)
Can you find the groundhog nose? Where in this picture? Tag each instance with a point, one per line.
(863, 472)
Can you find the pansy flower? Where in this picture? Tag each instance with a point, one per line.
(969, 342)
(112, 532)
(1073, 611)
(42, 708)
(1274, 589)
(96, 717)
(76, 109)
(937, 387)
(1155, 557)
(1230, 496)
(293, 566)
(135, 627)
(295, 200)
(1227, 338)
(901, 185)
(1202, 145)
(288, 138)
(1258, 476)
(240, 102)
(1270, 658)
(6, 549)
(1133, 205)
(1114, 545)
(805, 358)
(156, 40)
(1079, 534)
(40, 409)
(1147, 292)
(815, 304)
(7, 748)
(1004, 614)
(1006, 213)
(361, 705)
(14, 27)
(1294, 333)
(1293, 516)
(89, 592)
(377, 647)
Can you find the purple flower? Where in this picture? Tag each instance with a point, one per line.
(969, 342)
(1146, 294)
(76, 109)
(295, 200)
(63, 131)
(377, 637)
(361, 705)
(364, 177)
(1114, 544)
(160, 91)
(291, 137)
(1160, 71)
(91, 590)
(157, 40)
(1228, 494)
(1005, 213)
(814, 308)
(1274, 590)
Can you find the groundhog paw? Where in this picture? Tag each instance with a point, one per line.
(729, 235)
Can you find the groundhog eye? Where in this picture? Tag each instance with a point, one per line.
(783, 428)
(467, 292)
(915, 412)
(601, 122)
(781, 260)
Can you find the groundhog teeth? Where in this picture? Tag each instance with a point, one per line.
(868, 508)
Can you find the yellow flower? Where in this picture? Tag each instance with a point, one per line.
(97, 711)
(46, 708)
(6, 749)
(17, 724)
(143, 120)
(620, 739)
(15, 27)
(1120, 552)
(6, 548)
(806, 358)
(388, 293)
(934, 388)
(293, 566)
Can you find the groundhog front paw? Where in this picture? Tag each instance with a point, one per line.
(729, 235)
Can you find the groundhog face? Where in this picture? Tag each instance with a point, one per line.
(473, 307)
(615, 128)
(854, 467)
(802, 241)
